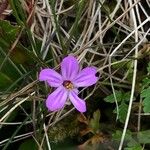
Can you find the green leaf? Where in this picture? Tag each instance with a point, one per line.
(28, 144)
(133, 143)
(136, 147)
(146, 104)
(126, 96)
(118, 134)
(111, 99)
(121, 96)
(146, 82)
(94, 122)
(144, 137)
(145, 94)
(123, 109)
(8, 33)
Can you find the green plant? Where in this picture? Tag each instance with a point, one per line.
(122, 99)
(145, 93)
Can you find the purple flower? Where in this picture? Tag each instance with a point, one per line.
(67, 82)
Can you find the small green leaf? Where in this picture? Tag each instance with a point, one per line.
(117, 135)
(28, 144)
(8, 33)
(146, 82)
(126, 96)
(111, 99)
(133, 143)
(120, 96)
(146, 106)
(136, 147)
(144, 137)
(94, 122)
(145, 93)
(123, 109)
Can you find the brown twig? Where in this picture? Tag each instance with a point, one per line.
(3, 6)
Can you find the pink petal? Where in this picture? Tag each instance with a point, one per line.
(57, 99)
(51, 76)
(86, 77)
(78, 103)
(69, 67)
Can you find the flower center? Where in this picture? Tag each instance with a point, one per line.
(68, 84)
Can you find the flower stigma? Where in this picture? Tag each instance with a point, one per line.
(68, 84)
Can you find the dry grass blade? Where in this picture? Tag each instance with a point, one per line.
(109, 38)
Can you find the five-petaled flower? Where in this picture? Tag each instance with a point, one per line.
(71, 78)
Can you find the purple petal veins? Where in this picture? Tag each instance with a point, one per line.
(78, 103)
(86, 77)
(69, 68)
(67, 84)
(57, 99)
(51, 76)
